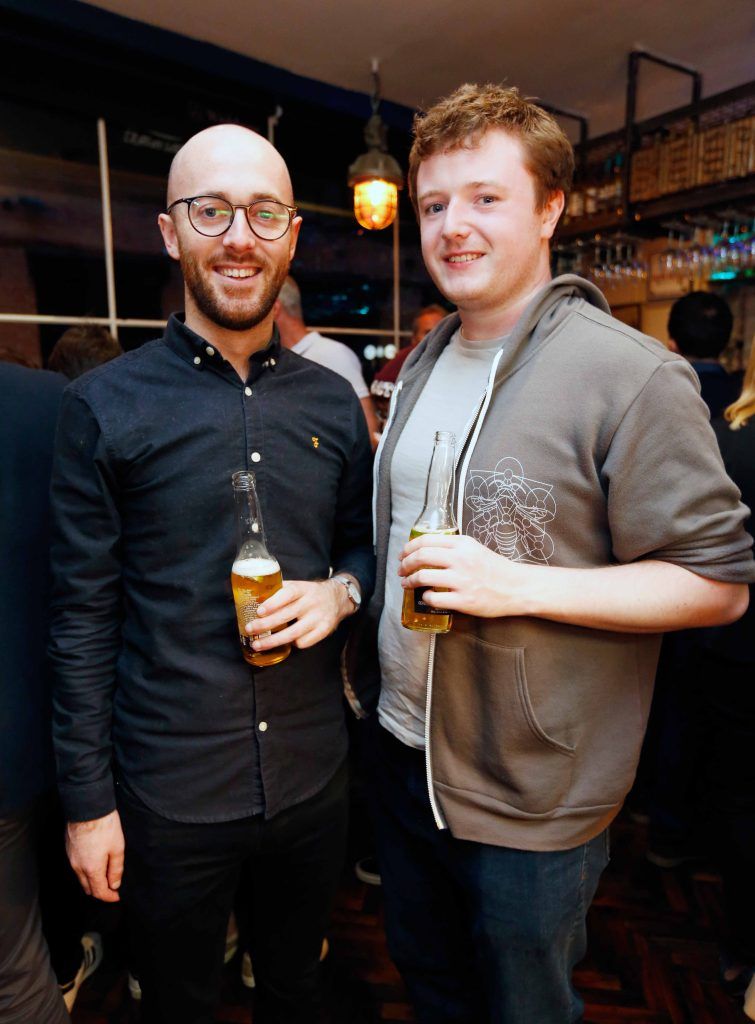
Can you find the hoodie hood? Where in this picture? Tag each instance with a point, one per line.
(538, 321)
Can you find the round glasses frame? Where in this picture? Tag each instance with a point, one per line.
(290, 210)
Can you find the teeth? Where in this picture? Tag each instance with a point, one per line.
(236, 272)
(466, 257)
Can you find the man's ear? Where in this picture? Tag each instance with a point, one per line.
(293, 236)
(276, 309)
(552, 210)
(672, 346)
(168, 231)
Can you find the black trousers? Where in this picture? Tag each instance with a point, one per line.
(704, 785)
(29, 991)
(728, 792)
(178, 887)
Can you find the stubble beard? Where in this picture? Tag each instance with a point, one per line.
(229, 314)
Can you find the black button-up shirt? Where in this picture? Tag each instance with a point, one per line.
(144, 637)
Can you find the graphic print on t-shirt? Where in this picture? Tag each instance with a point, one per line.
(508, 512)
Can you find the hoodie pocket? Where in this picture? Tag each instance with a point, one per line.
(487, 733)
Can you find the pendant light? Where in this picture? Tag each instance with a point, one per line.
(375, 176)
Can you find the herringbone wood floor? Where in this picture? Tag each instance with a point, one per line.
(652, 957)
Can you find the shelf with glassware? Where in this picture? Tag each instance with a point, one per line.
(696, 252)
(690, 219)
(688, 160)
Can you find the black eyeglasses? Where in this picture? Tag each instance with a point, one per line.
(213, 216)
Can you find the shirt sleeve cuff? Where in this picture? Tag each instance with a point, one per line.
(88, 802)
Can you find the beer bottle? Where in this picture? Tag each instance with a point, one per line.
(437, 516)
(256, 574)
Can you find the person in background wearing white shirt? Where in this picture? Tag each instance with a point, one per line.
(325, 351)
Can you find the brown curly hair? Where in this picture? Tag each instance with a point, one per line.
(461, 119)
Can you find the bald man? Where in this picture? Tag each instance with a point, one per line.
(180, 766)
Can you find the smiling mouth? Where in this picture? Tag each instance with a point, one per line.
(238, 273)
(464, 257)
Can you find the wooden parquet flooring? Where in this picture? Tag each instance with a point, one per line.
(652, 955)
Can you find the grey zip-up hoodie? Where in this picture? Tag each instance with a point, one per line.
(591, 447)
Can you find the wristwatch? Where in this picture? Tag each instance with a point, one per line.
(352, 590)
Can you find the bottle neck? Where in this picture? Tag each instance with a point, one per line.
(438, 512)
(250, 533)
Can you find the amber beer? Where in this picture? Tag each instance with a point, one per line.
(415, 614)
(436, 517)
(255, 574)
(253, 581)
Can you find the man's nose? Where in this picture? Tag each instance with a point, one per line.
(239, 235)
(456, 222)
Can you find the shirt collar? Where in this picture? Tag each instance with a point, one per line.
(193, 349)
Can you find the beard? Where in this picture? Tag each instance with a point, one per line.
(232, 314)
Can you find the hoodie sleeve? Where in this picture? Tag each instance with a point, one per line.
(669, 497)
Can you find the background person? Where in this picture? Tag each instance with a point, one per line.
(386, 377)
(725, 665)
(671, 772)
(699, 328)
(338, 357)
(172, 751)
(81, 348)
(30, 400)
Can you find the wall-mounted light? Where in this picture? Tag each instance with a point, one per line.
(375, 176)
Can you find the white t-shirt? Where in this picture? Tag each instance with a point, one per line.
(336, 356)
(448, 401)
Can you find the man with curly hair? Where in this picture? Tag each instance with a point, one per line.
(593, 513)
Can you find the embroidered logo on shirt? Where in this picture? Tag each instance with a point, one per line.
(509, 512)
(315, 442)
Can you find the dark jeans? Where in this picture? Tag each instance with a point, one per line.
(179, 885)
(29, 991)
(480, 933)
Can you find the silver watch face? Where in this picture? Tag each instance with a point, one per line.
(351, 590)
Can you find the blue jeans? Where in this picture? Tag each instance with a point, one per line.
(479, 933)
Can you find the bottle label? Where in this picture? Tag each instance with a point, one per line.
(426, 609)
(247, 640)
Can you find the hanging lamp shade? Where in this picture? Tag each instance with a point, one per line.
(376, 178)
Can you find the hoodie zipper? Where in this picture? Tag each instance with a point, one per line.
(475, 420)
(376, 462)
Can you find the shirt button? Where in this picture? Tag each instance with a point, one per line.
(210, 350)
(248, 392)
(256, 456)
(197, 360)
(262, 727)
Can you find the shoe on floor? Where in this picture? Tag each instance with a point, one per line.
(247, 971)
(749, 1004)
(367, 871)
(91, 944)
(247, 974)
(231, 941)
(672, 853)
(134, 988)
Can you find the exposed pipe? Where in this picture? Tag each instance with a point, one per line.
(107, 226)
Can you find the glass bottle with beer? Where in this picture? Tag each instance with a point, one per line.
(436, 517)
(255, 574)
